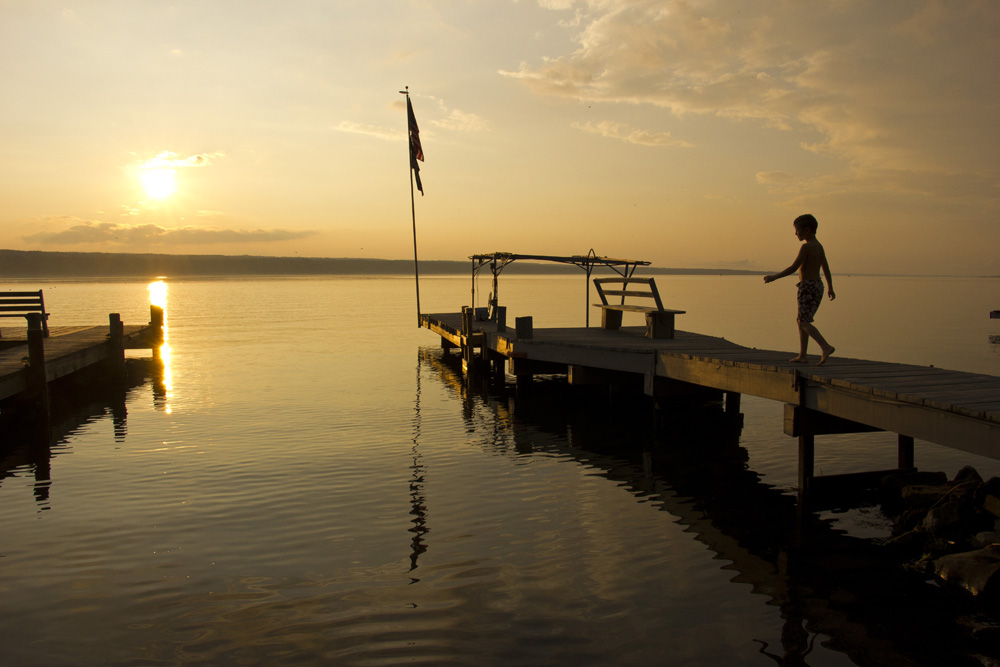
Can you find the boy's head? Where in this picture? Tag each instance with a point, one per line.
(806, 221)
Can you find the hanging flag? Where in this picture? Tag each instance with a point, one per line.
(416, 150)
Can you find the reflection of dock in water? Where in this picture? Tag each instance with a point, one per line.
(824, 581)
(31, 448)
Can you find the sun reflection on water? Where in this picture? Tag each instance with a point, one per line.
(158, 297)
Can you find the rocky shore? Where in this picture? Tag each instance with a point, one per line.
(947, 528)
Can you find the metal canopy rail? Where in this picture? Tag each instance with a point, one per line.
(497, 261)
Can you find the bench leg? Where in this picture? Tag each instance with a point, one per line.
(611, 319)
(659, 325)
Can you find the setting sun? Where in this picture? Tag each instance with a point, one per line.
(159, 183)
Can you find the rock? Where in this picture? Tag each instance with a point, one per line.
(908, 520)
(986, 538)
(897, 480)
(966, 490)
(991, 487)
(910, 541)
(967, 474)
(923, 495)
(942, 517)
(976, 571)
(980, 627)
(991, 504)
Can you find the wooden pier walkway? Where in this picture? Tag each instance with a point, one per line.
(67, 350)
(951, 408)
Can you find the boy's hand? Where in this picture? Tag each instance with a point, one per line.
(768, 279)
(831, 294)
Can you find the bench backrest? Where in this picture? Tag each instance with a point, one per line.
(644, 288)
(20, 304)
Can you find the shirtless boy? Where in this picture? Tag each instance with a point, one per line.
(811, 259)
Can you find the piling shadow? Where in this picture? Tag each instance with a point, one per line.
(826, 582)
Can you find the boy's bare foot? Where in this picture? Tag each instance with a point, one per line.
(826, 355)
(801, 359)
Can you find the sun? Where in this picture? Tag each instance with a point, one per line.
(159, 183)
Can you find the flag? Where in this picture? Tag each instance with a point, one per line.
(416, 150)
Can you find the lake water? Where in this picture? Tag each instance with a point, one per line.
(311, 482)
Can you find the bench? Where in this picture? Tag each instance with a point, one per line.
(20, 304)
(659, 320)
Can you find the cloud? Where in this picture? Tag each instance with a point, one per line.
(93, 231)
(461, 121)
(626, 133)
(899, 87)
(456, 119)
(370, 130)
(169, 160)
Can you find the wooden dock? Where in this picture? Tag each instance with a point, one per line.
(30, 361)
(951, 408)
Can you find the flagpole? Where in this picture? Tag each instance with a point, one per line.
(416, 268)
(413, 202)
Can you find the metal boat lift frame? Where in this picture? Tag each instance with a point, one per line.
(498, 261)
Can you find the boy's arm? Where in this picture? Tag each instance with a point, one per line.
(829, 278)
(790, 270)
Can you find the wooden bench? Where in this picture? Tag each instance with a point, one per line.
(20, 304)
(659, 320)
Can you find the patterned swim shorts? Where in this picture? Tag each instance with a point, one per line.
(810, 296)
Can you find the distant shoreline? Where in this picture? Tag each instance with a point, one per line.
(45, 265)
(38, 264)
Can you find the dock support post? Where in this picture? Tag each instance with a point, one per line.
(468, 317)
(733, 402)
(156, 324)
(38, 386)
(906, 461)
(497, 365)
(116, 346)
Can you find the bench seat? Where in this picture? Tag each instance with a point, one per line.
(659, 320)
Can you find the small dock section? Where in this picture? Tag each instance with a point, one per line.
(30, 360)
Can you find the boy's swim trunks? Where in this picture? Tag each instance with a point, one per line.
(810, 296)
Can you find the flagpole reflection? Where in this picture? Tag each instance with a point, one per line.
(418, 503)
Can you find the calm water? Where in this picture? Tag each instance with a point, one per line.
(312, 483)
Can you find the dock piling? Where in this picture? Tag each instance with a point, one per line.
(38, 386)
(468, 317)
(733, 402)
(116, 344)
(906, 461)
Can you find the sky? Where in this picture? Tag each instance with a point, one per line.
(688, 134)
